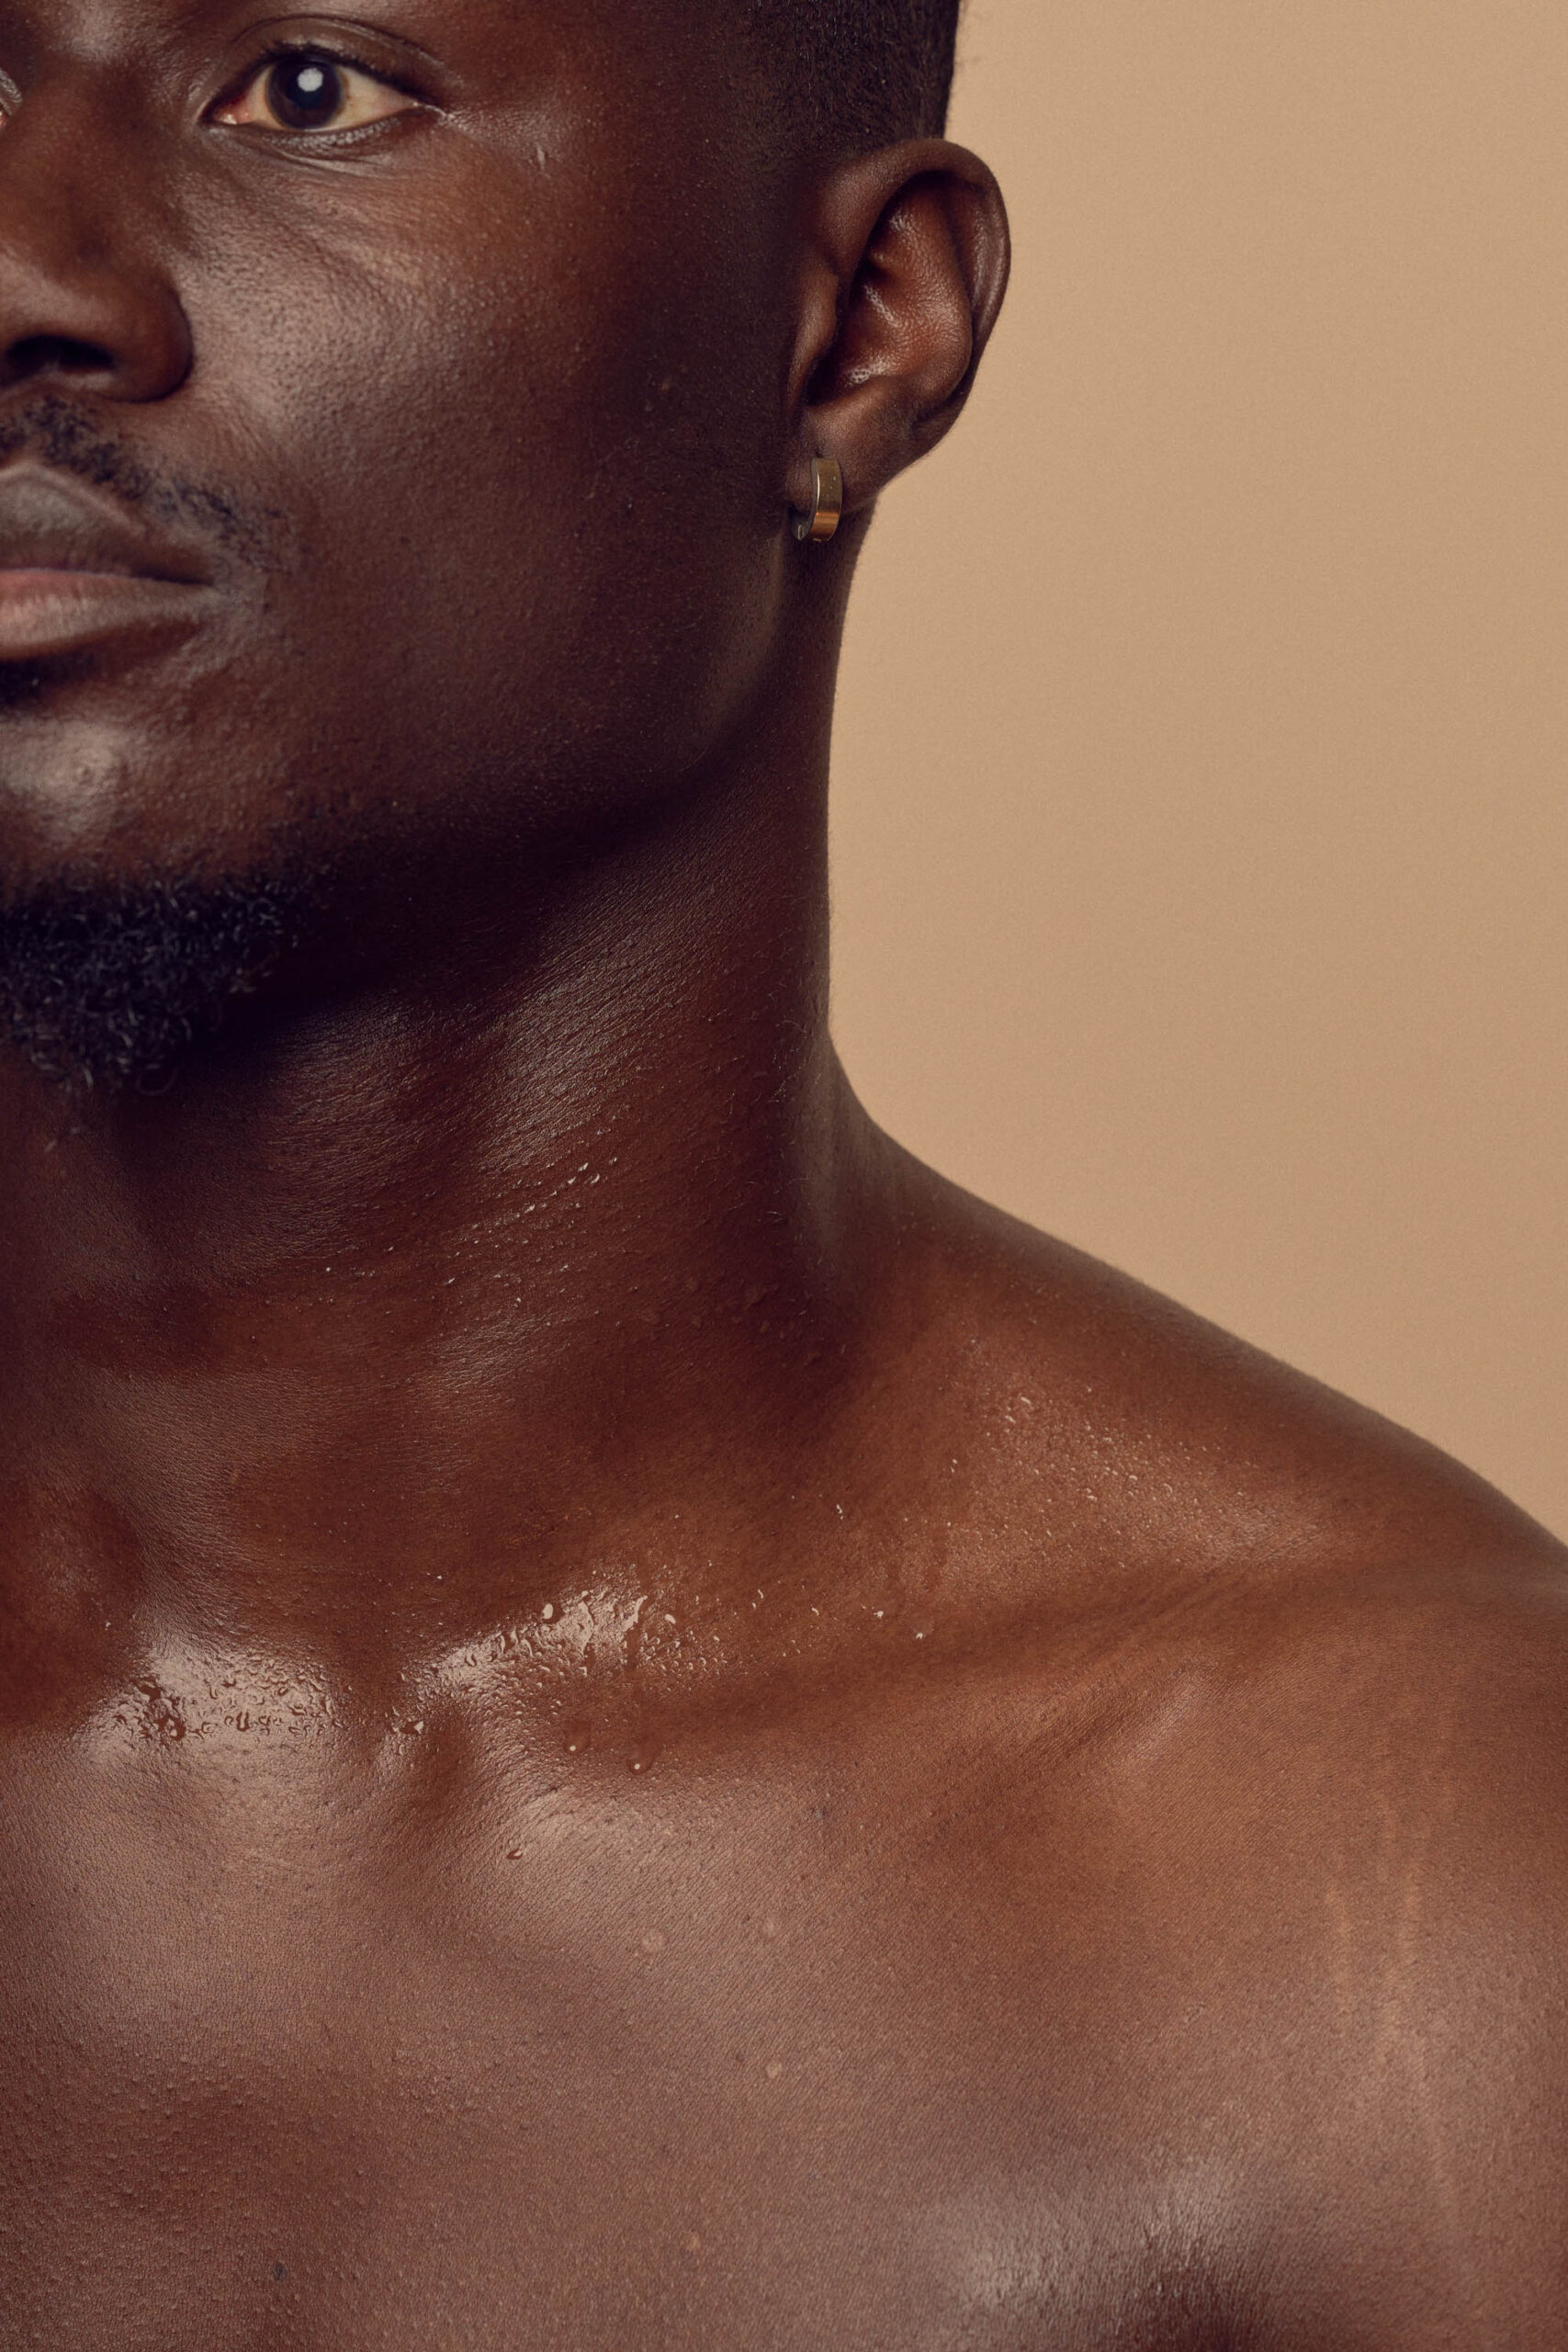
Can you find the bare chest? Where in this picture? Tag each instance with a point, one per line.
(599, 2197)
(552, 2097)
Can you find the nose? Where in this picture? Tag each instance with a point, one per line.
(83, 304)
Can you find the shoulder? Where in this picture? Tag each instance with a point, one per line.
(1221, 1554)
(1288, 1876)
(1389, 1739)
(1151, 1440)
(1287, 1634)
(1274, 1731)
(1264, 1611)
(1363, 1842)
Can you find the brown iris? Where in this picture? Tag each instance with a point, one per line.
(305, 93)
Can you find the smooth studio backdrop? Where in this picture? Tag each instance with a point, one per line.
(1201, 826)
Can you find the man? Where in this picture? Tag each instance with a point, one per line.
(623, 1721)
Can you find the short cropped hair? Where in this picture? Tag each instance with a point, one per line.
(861, 73)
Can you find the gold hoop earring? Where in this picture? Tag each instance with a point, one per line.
(827, 503)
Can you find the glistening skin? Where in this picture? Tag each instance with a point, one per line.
(625, 1720)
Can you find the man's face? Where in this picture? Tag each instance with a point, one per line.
(436, 347)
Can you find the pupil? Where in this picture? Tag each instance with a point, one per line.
(304, 92)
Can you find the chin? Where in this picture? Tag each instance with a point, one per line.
(107, 982)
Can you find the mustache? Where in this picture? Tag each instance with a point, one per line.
(49, 429)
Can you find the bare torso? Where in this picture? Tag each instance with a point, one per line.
(1038, 1907)
(623, 1724)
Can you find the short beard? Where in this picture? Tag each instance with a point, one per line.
(110, 984)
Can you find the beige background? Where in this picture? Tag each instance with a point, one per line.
(1202, 834)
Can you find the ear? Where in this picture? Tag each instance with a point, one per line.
(907, 266)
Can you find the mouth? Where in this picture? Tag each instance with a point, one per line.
(74, 569)
(48, 612)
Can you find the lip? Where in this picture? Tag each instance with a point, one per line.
(75, 569)
(43, 613)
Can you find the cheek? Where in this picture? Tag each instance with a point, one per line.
(537, 540)
(531, 543)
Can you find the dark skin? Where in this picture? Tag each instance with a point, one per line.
(624, 1721)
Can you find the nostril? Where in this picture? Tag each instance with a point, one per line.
(54, 354)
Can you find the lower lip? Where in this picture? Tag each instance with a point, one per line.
(56, 612)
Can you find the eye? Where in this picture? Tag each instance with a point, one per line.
(306, 91)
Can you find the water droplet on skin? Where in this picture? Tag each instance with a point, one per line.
(549, 1613)
(646, 1754)
(514, 1853)
(578, 1737)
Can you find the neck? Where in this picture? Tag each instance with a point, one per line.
(403, 1311)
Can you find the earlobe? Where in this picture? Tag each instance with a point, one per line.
(909, 268)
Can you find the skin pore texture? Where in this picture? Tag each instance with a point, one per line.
(626, 1722)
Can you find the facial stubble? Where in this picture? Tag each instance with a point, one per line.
(105, 984)
(108, 982)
